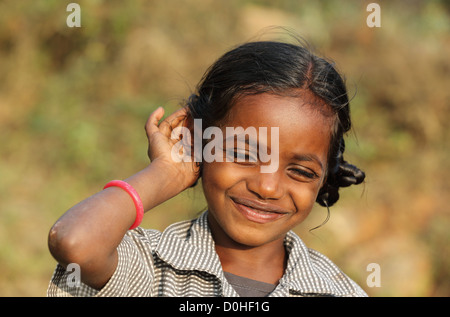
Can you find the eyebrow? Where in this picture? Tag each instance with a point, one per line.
(309, 158)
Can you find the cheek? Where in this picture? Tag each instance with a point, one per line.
(304, 198)
(308, 193)
(217, 178)
(304, 203)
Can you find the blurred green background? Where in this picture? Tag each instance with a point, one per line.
(74, 101)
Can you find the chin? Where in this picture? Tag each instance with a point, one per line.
(251, 236)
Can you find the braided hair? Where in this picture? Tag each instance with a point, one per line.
(280, 68)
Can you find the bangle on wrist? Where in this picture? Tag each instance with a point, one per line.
(136, 200)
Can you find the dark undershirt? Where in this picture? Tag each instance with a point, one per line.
(246, 287)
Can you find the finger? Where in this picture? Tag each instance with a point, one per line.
(151, 126)
(173, 121)
(180, 113)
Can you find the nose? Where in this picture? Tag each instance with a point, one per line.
(266, 185)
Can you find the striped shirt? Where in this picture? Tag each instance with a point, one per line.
(182, 261)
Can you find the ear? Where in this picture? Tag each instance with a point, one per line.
(189, 123)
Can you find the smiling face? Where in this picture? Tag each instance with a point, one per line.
(252, 208)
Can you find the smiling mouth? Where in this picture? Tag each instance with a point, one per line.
(258, 212)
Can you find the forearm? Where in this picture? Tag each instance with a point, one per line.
(89, 232)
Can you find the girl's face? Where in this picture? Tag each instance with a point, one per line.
(252, 208)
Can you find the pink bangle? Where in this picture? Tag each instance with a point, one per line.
(136, 199)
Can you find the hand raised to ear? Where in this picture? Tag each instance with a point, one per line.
(161, 143)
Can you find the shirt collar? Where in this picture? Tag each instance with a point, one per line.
(189, 245)
(309, 272)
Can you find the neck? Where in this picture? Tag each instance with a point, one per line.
(265, 263)
(257, 263)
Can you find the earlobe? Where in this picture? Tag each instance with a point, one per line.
(199, 172)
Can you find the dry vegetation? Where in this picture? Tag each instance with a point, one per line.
(73, 102)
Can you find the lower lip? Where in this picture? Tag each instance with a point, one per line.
(257, 216)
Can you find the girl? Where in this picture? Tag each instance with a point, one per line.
(243, 244)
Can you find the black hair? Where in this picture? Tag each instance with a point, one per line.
(280, 68)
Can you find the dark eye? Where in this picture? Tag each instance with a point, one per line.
(309, 174)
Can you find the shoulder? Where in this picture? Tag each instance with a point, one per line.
(329, 269)
(315, 273)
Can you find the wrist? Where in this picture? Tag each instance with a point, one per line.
(155, 184)
(134, 196)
